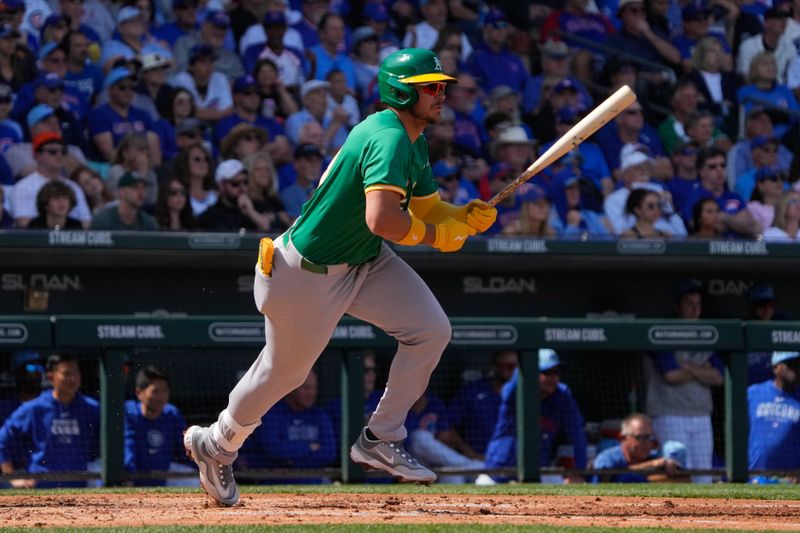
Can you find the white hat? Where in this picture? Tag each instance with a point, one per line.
(154, 60)
(127, 13)
(514, 135)
(228, 170)
(632, 158)
(312, 85)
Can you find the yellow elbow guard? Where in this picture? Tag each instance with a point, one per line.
(415, 234)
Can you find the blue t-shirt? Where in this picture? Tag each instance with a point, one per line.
(433, 417)
(288, 439)
(613, 459)
(326, 63)
(559, 414)
(611, 144)
(85, 85)
(493, 69)
(680, 189)
(473, 412)
(685, 45)
(152, 444)
(774, 427)
(171, 32)
(728, 202)
(60, 437)
(10, 133)
(104, 119)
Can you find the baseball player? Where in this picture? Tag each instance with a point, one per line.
(333, 261)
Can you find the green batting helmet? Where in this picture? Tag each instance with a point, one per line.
(404, 68)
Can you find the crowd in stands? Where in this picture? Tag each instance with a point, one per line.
(49, 425)
(140, 108)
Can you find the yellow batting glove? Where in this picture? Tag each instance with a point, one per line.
(480, 216)
(452, 234)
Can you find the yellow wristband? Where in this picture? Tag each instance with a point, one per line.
(415, 233)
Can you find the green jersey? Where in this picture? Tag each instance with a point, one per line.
(377, 155)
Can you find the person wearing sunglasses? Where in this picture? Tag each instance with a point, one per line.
(637, 38)
(764, 153)
(110, 122)
(737, 221)
(333, 260)
(639, 453)
(234, 209)
(49, 151)
(493, 63)
(645, 206)
(127, 214)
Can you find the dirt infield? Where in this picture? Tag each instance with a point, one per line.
(133, 509)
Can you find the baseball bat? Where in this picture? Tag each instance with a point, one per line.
(600, 115)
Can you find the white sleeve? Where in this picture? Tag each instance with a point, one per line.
(81, 210)
(23, 201)
(252, 35)
(223, 90)
(793, 73)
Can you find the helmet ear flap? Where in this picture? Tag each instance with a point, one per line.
(404, 95)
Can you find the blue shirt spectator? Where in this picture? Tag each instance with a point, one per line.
(559, 415)
(330, 53)
(493, 64)
(60, 427)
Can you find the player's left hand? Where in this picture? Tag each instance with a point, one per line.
(480, 216)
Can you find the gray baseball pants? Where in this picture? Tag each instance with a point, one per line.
(301, 310)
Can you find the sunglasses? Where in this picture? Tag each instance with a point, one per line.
(772, 178)
(59, 60)
(770, 149)
(432, 89)
(714, 166)
(124, 87)
(197, 159)
(237, 183)
(54, 151)
(249, 93)
(177, 192)
(555, 371)
(643, 438)
(636, 10)
(249, 137)
(652, 205)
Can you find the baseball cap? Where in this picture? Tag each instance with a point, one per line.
(687, 286)
(767, 173)
(514, 135)
(51, 81)
(781, 357)
(553, 48)
(127, 13)
(363, 33)
(51, 20)
(201, 50)
(567, 84)
(530, 192)
(760, 293)
(189, 125)
(696, 9)
(566, 177)
(444, 168)
(154, 60)
(548, 359)
(306, 151)
(274, 18)
(117, 75)
(244, 83)
(496, 18)
(501, 91)
(228, 170)
(46, 137)
(46, 50)
(38, 113)
(183, 4)
(220, 19)
(376, 11)
(761, 140)
(129, 179)
(27, 357)
(313, 85)
(632, 158)
(775, 13)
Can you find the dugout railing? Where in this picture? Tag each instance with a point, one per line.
(114, 336)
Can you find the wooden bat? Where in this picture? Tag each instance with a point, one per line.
(600, 115)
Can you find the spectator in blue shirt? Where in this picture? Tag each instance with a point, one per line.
(153, 427)
(473, 411)
(60, 427)
(185, 23)
(636, 37)
(559, 416)
(329, 54)
(307, 164)
(110, 122)
(774, 410)
(493, 64)
(639, 451)
(736, 218)
(295, 433)
(83, 78)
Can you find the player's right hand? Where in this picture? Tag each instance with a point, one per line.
(452, 234)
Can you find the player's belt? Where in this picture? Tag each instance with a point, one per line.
(305, 264)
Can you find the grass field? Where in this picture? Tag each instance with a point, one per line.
(602, 505)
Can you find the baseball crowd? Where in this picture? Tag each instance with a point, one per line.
(473, 430)
(178, 115)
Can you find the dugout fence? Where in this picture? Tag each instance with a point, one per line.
(114, 340)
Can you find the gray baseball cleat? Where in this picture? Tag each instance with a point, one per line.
(390, 457)
(216, 477)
